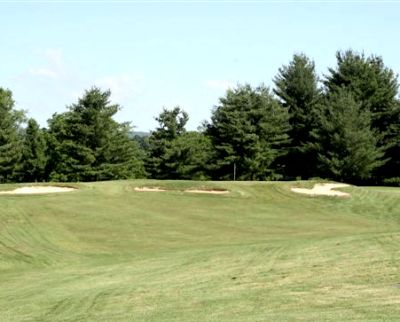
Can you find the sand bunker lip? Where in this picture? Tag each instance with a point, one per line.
(149, 189)
(209, 191)
(158, 189)
(324, 189)
(37, 190)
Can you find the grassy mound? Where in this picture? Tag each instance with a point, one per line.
(259, 253)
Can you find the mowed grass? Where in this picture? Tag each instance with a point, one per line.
(261, 253)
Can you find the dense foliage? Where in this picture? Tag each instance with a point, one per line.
(248, 130)
(343, 126)
(10, 137)
(34, 157)
(86, 144)
(173, 152)
(297, 88)
(375, 87)
(346, 145)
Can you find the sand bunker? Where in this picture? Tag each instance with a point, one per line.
(37, 190)
(158, 189)
(149, 189)
(211, 191)
(324, 189)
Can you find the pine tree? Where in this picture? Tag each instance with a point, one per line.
(371, 83)
(88, 145)
(297, 89)
(173, 152)
(375, 87)
(34, 157)
(10, 137)
(121, 158)
(188, 155)
(248, 131)
(171, 125)
(346, 145)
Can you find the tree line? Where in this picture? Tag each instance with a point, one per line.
(344, 126)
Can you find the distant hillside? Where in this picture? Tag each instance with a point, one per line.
(140, 134)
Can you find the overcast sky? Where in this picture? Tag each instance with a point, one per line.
(168, 53)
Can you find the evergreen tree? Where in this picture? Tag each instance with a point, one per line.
(248, 131)
(171, 125)
(60, 165)
(345, 143)
(297, 89)
(122, 158)
(390, 172)
(371, 83)
(188, 155)
(374, 86)
(88, 145)
(34, 153)
(10, 137)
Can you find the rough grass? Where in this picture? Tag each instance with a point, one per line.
(260, 253)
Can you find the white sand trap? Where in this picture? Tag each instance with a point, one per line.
(214, 192)
(324, 189)
(37, 190)
(149, 189)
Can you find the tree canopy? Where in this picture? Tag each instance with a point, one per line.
(345, 143)
(297, 88)
(173, 152)
(34, 157)
(248, 130)
(10, 137)
(87, 144)
(375, 87)
(344, 126)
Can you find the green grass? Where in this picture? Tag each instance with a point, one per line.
(261, 253)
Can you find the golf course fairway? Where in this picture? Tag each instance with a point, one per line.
(257, 251)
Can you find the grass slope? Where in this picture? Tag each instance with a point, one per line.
(261, 253)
